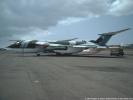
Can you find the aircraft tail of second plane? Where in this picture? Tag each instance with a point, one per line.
(105, 37)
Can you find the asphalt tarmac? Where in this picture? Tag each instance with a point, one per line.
(27, 77)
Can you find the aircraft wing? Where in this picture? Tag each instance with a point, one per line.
(69, 39)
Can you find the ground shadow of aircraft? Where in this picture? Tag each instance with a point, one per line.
(67, 56)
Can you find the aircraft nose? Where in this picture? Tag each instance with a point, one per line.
(9, 46)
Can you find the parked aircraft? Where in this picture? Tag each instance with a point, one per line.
(64, 47)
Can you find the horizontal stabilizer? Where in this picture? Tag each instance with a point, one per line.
(116, 32)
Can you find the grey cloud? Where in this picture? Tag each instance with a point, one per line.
(121, 7)
(25, 16)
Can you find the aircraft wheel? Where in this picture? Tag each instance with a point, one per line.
(38, 54)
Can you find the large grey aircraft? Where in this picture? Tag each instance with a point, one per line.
(64, 47)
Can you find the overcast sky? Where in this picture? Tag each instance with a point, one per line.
(63, 19)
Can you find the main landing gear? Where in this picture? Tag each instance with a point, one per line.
(38, 54)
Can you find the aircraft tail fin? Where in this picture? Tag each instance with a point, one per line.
(105, 37)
